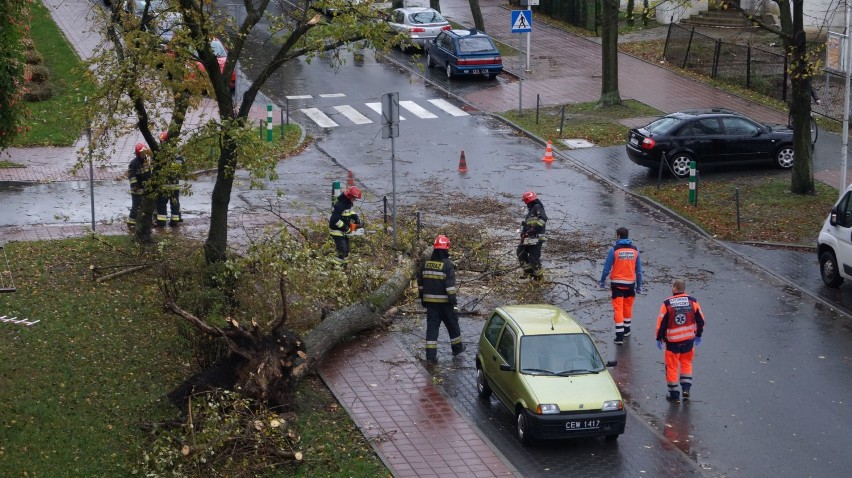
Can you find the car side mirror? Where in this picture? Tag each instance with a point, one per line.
(506, 367)
(832, 218)
(612, 363)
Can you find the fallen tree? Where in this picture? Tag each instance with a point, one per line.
(266, 365)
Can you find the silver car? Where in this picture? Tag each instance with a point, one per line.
(420, 24)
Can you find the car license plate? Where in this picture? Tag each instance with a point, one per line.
(634, 141)
(583, 425)
(476, 72)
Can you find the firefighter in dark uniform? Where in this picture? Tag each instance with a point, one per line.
(436, 284)
(344, 222)
(169, 198)
(680, 325)
(138, 173)
(532, 236)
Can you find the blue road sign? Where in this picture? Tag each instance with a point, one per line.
(521, 21)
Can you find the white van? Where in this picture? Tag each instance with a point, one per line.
(834, 246)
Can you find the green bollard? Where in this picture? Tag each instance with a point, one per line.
(269, 123)
(335, 191)
(693, 191)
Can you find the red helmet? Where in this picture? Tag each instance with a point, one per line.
(442, 242)
(352, 192)
(140, 147)
(529, 197)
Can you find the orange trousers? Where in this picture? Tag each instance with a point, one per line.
(679, 369)
(622, 309)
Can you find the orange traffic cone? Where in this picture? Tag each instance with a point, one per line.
(350, 180)
(548, 153)
(462, 164)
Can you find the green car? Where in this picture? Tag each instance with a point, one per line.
(544, 367)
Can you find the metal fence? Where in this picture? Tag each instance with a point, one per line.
(744, 65)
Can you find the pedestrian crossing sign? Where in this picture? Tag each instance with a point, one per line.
(521, 21)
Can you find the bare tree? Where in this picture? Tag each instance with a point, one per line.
(609, 54)
(803, 65)
(157, 84)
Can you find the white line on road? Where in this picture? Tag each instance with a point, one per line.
(299, 97)
(377, 107)
(332, 95)
(448, 107)
(417, 110)
(319, 118)
(353, 114)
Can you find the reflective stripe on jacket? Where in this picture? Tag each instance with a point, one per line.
(680, 319)
(623, 265)
(436, 282)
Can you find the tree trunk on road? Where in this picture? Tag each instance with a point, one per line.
(267, 365)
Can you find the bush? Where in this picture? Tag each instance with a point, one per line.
(36, 74)
(33, 57)
(38, 92)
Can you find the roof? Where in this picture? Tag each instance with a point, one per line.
(542, 319)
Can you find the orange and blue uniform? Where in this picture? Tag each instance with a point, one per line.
(624, 268)
(680, 322)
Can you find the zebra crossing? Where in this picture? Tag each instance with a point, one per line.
(323, 116)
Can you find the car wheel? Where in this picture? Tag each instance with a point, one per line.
(785, 156)
(482, 385)
(449, 71)
(679, 164)
(430, 63)
(828, 269)
(612, 438)
(524, 432)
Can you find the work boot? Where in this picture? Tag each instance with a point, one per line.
(673, 396)
(173, 223)
(686, 393)
(458, 349)
(627, 331)
(619, 338)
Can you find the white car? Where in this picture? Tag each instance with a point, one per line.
(420, 24)
(834, 246)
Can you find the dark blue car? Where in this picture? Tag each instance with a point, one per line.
(464, 53)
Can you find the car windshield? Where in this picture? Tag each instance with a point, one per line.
(156, 6)
(663, 125)
(559, 354)
(475, 44)
(218, 49)
(426, 17)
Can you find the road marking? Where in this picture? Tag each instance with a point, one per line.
(299, 97)
(333, 95)
(377, 107)
(448, 107)
(319, 118)
(353, 114)
(417, 110)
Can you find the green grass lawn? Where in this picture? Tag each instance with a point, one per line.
(52, 122)
(81, 387)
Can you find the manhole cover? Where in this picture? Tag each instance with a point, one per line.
(519, 167)
(578, 143)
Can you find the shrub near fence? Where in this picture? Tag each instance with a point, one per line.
(742, 65)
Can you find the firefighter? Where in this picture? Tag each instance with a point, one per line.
(680, 325)
(344, 222)
(436, 284)
(624, 267)
(138, 173)
(532, 236)
(169, 198)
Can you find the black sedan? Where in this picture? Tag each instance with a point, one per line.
(709, 137)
